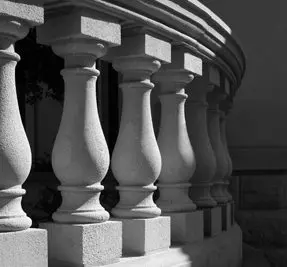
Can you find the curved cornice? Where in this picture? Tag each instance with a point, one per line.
(181, 21)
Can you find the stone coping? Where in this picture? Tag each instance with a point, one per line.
(185, 22)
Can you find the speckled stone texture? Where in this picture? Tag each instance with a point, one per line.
(84, 244)
(26, 248)
(144, 236)
(212, 221)
(226, 214)
(186, 227)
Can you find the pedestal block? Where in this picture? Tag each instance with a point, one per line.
(232, 210)
(84, 244)
(226, 215)
(144, 236)
(212, 221)
(186, 227)
(24, 248)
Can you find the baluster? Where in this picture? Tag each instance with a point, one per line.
(196, 115)
(80, 155)
(136, 159)
(227, 207)
(17, 242)
(213, 122)
(225, 107)
(15, 150)
(178, 160)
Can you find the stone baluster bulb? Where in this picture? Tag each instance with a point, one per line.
(136, 160)
(15, 152)
(228, 158)
(178, 159)
(196, 116)
(80, 155)
(213, 122)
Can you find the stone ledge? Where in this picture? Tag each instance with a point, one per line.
(224, 250)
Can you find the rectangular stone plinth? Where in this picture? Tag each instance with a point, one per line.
(212, 221)
(232, 211)
(226, 216)
(144, 236)
(186, 227)
(84, 244)
(24, 248)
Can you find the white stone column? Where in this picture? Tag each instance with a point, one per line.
(178, 159)
(196, 116)
(136, 159)
(16, 240)
(80, 155)
(213, 122)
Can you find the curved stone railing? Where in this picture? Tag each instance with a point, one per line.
(180, 47)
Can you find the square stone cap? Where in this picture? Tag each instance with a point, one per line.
(142, 44)
(80, 23)
(31, 11)
(183, 59)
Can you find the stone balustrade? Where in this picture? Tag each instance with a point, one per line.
(181, 49)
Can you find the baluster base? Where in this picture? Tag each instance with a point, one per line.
(233, 208)
(186, 227)
(200, 195)
(12, 217)
(175, 198)
(24, 248)
(145, 236)
(226, 216)
(136, 202)
(84, 244)
(212, 221)
(218, 193)
(226, 191)
(81, 205)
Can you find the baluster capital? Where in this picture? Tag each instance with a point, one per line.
(83, 24)
(183, 68)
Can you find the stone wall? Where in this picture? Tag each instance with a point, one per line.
(262, 215)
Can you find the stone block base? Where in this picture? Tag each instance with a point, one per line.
(226, 215)
(223, 250)
(232, 211)
(24, 248)
(144, 236)
(212, 221)
(84, 244)
(186, 227)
